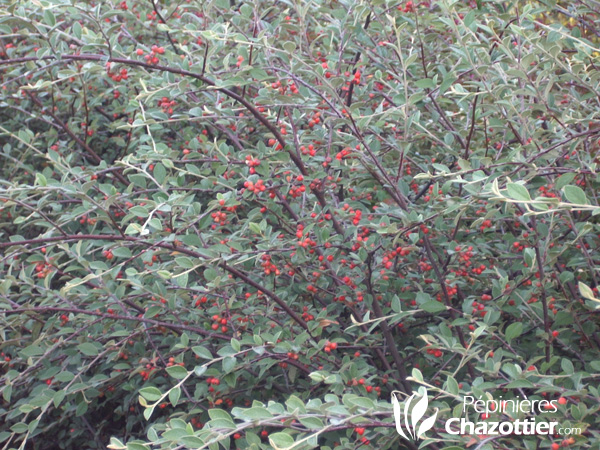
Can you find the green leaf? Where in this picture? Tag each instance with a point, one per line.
(32, 350)
(58, 398)
(199, 370)
(529, 255)
(257, 413)
(116, 444)
(174, 395)
(202, 352)
(228, 364)
(567, 366)
(586, 292)
(192, 441)
(564, 179)
(121, 252)
(425, 83)
(139, 211)
(77, 30)
(433, 306)
(281, 440)
(566, 276)
(519, 384)
(182, 279)
(312, 423)
(518, 192)
(210, 274)
(148, 413)
(40, 180)
(159, 173)
(574, 194)
(81, 409)
(513, 331)
(153, 311)
(20, 428)
(136, 446)
(447, 81)
(7, 393)
(49, 18)
(452, 385)
(150, 393)
(416, 374)
(219, 414)
(88, 349)
(254, 227)
(177, 372)
(184, 262)
(176, 434)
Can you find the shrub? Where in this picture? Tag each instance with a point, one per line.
(245, 224)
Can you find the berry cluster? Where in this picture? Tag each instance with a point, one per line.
(329, 346)
(117, 76)
(297, 191)
(219, 322)
(345, 152)
(268, 267)
(306, 316)
(409, 6)
(545, 192)
(255, 188)
(149, 369)
(212, 381)
(167, 105)
(435, 352)
(151, 57)
(200, 300)
(252, 163)
(310, 150)
(42, 269)
(486, 224)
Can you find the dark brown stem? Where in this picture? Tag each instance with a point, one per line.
(113, 237)
(387, 333)
(447, 301)
(154, 322)
(470, 136)
(540, 263)
(156, 10)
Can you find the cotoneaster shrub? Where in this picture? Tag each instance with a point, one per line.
(244, 224)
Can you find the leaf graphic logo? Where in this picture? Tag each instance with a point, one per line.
(416, 414)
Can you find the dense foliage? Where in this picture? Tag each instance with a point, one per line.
(243, 224)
